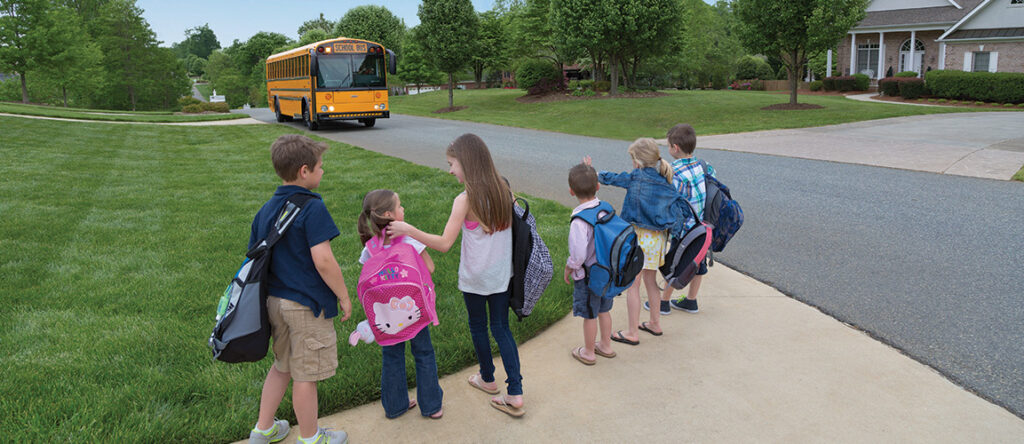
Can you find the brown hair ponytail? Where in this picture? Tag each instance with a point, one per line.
(645, 152)
(371, 220)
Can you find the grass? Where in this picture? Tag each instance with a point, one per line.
(116, 244)
(1020, 175)
(110, 115)
(206, 89)
(710, 112)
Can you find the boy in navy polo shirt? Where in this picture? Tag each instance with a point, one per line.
(305, 287)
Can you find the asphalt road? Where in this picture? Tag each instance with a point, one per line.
(931, 264)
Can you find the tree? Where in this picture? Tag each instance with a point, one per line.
(318, 23)
(533, 34)
(795, 28)
(415, 66)
(449, 28)
(21, 45)
(76, 65)
(125, 47)
(200, 41)
(373, 23)
(312, 36)
(491, 45)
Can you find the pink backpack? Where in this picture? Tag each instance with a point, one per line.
(396, 291)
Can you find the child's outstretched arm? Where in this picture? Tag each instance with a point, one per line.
(330, 272)
(451, 230)
(607, 178)
(428, 261)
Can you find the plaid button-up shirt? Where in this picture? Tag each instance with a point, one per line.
(688, 178)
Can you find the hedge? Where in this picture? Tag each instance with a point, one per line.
(531, 71)
(861, 82)
(912, 88)
(890, 86)
(1000, 87)
(817, 85)
(195, 108)
(906, 74)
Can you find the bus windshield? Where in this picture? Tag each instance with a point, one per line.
(350, 71)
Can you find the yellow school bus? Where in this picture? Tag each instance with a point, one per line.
(336, 79)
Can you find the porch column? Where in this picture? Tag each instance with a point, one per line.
(881, 56)
(828, 64)
(910, 57)
(853, 52)
(942, 55)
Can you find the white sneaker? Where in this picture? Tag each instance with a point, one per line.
(325, 436)
(276, 433)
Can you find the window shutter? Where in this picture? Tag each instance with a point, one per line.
(967, 61)
(993, 61)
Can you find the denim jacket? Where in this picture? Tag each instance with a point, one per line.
(651, 202)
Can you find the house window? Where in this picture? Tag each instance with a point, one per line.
(867, 59)
(1016, 2)
(980, 63)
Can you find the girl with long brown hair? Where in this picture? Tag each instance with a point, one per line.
(483, 215)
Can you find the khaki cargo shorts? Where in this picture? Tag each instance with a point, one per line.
(304, 345)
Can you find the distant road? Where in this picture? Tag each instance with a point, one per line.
(932, 264)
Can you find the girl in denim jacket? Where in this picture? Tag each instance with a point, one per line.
(654, 208)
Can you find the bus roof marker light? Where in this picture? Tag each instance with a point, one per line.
(320, 49)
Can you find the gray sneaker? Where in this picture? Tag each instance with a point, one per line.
(276, 433)
(329, 437)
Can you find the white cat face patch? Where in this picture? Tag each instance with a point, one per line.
(396, 315)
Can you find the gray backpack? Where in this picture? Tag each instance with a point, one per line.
(531, 262)
(242, 331)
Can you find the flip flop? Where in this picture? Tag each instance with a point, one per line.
(438, 414)
(618, 337)
(576, 354)
(644, 327)
(503, 405)
(477, 381)
(597, 351)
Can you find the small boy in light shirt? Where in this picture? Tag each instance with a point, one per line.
(593, 308)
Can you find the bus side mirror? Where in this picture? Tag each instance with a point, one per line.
(314, 65)
(391, 62)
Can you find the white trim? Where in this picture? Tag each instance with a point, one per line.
(913, 47)
(853, 52)
(955, 4)
(985, 39)
(828, 69)
(942, 55)
(968, 61)
(881, 56)
(966, 18)
(940, 26)
(993, 61)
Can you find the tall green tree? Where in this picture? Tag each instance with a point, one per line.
(312, 36)
(373, 23)
(534, 36)
(416, 66)
(449, 29)
(320, 23)
(491, 50)
(23, 45)
(126, 46)
(793, 29)
(77, 64)
(199, 40)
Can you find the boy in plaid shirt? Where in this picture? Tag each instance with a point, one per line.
(688, 178)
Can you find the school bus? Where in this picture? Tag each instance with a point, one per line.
(336, 79)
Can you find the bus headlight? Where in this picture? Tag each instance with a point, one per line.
(323, 108)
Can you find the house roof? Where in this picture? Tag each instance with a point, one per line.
(967, 34)
(945, 14)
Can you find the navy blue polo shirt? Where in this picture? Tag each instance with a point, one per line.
(292, 273)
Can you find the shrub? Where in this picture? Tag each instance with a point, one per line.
(829, 83)
(753, 67)
(845, 83)
(912, 88)
(861, 82)
(906, 74)
(1020, 105)
(195, 108)
(603, 86)
(817, 85)
(942, 100)
(546, 85)
(1002, 87)
(979, 103)
(1008, 105)
(588, 84)
(220, 107)
(584, 93)
(890, 86)
(188, 100)
(748, 85)
(531, 71)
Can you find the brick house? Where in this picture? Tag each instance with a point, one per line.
(920, 35)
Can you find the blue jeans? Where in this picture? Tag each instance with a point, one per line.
(477, 307)
(394, 388)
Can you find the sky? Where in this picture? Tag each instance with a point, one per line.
(240, 19)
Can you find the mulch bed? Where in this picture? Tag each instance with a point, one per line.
(790, 106)
(561, 96)
(450, 110)
(924, 101)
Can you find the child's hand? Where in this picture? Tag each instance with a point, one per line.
(587, 161)
(346, 308)
(567, 274)
(398, 228)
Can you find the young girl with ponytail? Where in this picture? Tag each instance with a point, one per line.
(655, 209)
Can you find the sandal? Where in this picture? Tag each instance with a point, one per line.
(501, 403)
(619, 337)
(437, 415)
(576, 353)
(644, 327)
(477, 381)
(611, 354)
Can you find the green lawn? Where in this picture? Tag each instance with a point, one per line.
(710, 112)
(110, 115)
(1020, 175)
(116, 244)
(206, 89)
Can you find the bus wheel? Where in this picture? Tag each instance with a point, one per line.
(369, 122)
(277, 111)
(307, 119)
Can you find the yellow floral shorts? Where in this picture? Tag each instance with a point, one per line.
(654, 245)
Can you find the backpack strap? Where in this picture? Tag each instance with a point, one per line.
(590, 215)
(289, 213)
(376, 244)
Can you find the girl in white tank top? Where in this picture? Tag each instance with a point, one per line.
(483, 215)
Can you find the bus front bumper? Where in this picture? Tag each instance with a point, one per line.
(354, 116)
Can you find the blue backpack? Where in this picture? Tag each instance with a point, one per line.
(723, 214)
(619, 257)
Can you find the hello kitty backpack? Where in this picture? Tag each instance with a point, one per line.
(396, 291)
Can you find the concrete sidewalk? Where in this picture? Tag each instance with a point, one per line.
(753, 365)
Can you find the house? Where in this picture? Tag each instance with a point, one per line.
(921, 35)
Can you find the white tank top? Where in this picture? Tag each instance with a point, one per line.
(485, 265)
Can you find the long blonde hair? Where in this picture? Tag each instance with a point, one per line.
(371, 219)
(489, 197)
(644, 152)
